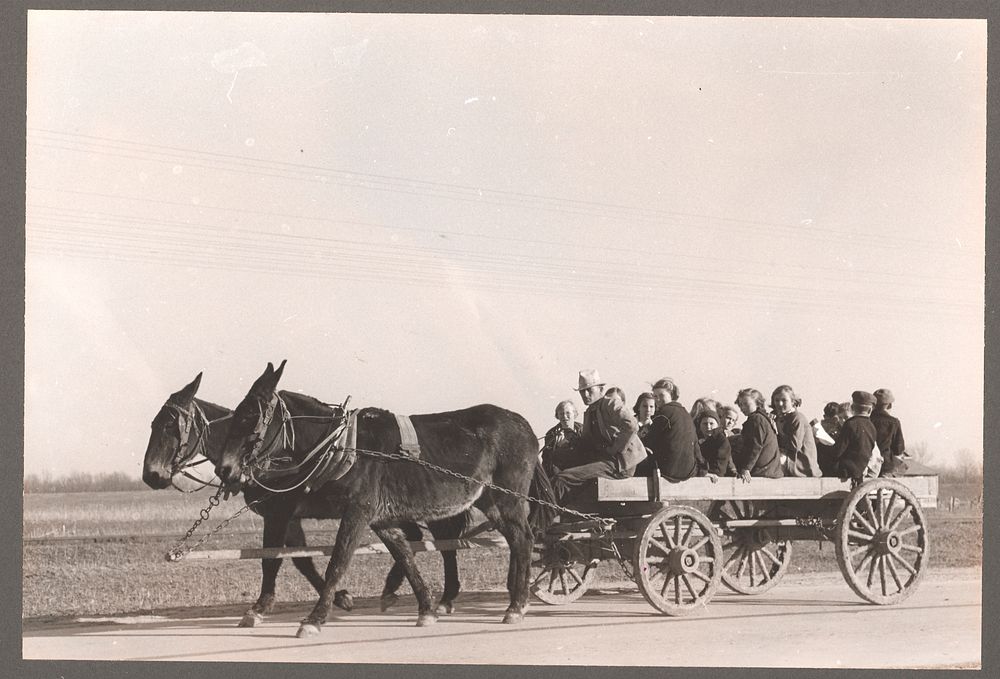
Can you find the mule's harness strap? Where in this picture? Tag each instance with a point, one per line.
(408, 444)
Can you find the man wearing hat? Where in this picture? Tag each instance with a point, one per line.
(889, 434)
(856, 440)
(609, 445)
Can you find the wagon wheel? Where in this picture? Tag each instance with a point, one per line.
(560, 573)
(881, 541)
(757, 561)
(678, 560)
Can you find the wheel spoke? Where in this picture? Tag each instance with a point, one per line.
(894, 572)
(576, 577)
(854, 552)
(898, 519)
(771, 556)
(738, 508)
(878, 515)
(867, 500)
(677, 590)
(881, 573)
(562, 580)
(666, 535)
(871, 572)
(540, 576)
(687, 533)
(666, 586)
(677, 532)
(698, 545)
(659, 545)
(750, 559)
(701, 576)
(552, 580)
(743, 563)
(904, 563)
(915, 527)
(734, 555)
(687, 583)
(860, 536)
(764, 571)
(912, 548)
(887, 510)
(864, 522)
(868, 555)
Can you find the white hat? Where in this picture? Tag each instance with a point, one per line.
(588, 379)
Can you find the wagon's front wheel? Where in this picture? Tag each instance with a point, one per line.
(678, 561)
(881, 541)
(559, 573)
(756, 561)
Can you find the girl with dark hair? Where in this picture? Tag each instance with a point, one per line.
(796, 440)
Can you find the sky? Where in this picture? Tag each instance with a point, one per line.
(428, 212)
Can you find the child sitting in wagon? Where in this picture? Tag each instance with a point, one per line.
(855, 450)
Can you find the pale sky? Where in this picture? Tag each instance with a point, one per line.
(430, 212)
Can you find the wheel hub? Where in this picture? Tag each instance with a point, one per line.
(684, 560)
(887, 542)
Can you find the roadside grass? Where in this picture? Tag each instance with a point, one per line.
(81, 578)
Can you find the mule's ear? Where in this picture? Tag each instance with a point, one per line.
(188, 392)
(269, 369)
(281, 369)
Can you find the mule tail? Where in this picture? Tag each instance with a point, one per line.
(540, 517)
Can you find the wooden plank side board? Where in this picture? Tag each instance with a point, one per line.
(729, 488)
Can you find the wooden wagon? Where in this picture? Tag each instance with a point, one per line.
(742, 537)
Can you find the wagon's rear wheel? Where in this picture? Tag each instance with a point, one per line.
(881, 541)
(678, 561)
(560, 573)
(755, 560)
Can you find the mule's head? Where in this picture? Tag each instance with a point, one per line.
(252, 420)
(170, 438)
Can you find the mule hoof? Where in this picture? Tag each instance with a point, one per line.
(307, 630)
(513, 618)
(344, 600)
(445, 608)
(388, 601)
(251, 619)
(426, 619)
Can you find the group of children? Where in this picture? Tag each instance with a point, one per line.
(855, 440)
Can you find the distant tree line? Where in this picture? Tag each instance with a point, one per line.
(82, 482)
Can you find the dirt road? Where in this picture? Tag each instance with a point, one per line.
(813, 621)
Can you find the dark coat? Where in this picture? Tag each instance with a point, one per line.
(673, 442)
(611, 428)
(717, 453)
(759, 447)
(853, 450)
(559, 446)
(889, 436)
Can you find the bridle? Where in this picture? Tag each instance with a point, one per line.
(260, 458)
(188, 419)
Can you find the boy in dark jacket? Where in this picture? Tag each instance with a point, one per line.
(671, 438)
(888, 435)
(856, 439)
(758, 449)
(715, 449)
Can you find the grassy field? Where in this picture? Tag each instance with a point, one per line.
(87, 578)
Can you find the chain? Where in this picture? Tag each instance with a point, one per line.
(622, 561)
(178, 551)
(602, 524)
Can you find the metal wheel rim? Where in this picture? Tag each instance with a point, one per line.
(881, 541)
(677, 561)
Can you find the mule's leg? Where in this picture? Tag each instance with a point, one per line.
(394, 580)
(352, 527)
(395, 540)
(275, 528)
(296, 537)
(510, 516)
(449, 529)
